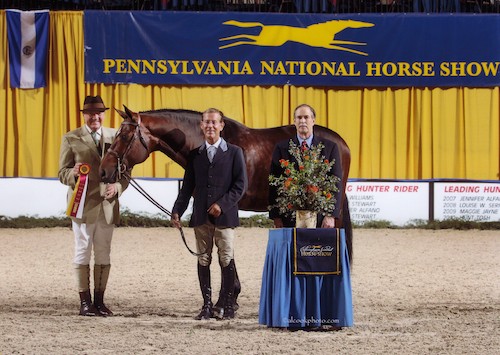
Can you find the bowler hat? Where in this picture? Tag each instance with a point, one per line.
(93, 104)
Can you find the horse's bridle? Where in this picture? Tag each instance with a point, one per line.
(121, 168)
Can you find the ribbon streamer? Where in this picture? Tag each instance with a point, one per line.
(77, 202)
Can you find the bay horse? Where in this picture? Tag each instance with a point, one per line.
(175, 132)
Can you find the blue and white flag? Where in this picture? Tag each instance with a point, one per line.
(28, 36)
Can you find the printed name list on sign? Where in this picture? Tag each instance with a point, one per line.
(376, 201)
(472, 201)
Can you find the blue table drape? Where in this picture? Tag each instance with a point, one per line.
(302, 301)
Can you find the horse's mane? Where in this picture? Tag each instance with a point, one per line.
(187, 115)
(173, 110)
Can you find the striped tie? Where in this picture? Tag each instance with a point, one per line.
(304, 146)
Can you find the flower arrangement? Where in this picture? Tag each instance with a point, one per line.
(307, 186)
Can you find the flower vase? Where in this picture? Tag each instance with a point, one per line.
(305, 219)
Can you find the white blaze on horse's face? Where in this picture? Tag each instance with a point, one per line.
(211, 125)
(304, 121)
(93, 119)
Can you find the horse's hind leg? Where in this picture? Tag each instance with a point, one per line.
(345, 49)
(252, 37)
(239, 43)
(348, 42)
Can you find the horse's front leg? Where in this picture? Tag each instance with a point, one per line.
(250, 37)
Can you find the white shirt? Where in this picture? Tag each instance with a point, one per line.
(308, 140)
(98, 133)
(216, 144)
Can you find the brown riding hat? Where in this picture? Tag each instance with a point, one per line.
(94, 104)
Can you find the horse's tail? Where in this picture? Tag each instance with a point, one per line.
(243, 24)
(346, 222)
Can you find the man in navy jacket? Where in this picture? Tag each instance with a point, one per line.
(216, 177)
(304, 119)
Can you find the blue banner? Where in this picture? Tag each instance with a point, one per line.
(231, 48)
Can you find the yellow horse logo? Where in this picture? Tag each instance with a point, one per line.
(320, 35)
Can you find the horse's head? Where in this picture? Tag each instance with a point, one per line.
(335, 26)
(132, 145)
(358, 24)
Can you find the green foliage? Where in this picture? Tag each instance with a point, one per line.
(462, 224)
(307, 186)
(34, 222)
(129, 219)
(459, 224)
(375, 225)
(260, 220)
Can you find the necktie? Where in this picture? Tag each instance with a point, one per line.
(211, 153)
(304, 146)
(94, 137)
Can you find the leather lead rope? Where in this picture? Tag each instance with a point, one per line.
(148, 197)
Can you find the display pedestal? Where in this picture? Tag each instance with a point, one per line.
(303, 301)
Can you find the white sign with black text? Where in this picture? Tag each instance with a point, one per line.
(396, 202)
(471, 201)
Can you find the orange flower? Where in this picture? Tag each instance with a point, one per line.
(312, 188)
(306, 184)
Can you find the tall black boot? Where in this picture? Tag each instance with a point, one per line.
(237, 288)
(206, 291)
(228, 273)
(219, 306)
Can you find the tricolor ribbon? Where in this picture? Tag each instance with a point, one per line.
(77, 202)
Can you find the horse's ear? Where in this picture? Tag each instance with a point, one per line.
(121, 113)
(130, 114)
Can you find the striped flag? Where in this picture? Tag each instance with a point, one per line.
(28, 36)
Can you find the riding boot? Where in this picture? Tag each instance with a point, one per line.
(82, 273)
(101, 275)
(228, 273)
(219, 306)
(86, 306)
(237, 288)
(206, 292)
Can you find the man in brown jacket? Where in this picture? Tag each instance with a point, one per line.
(93, 210)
